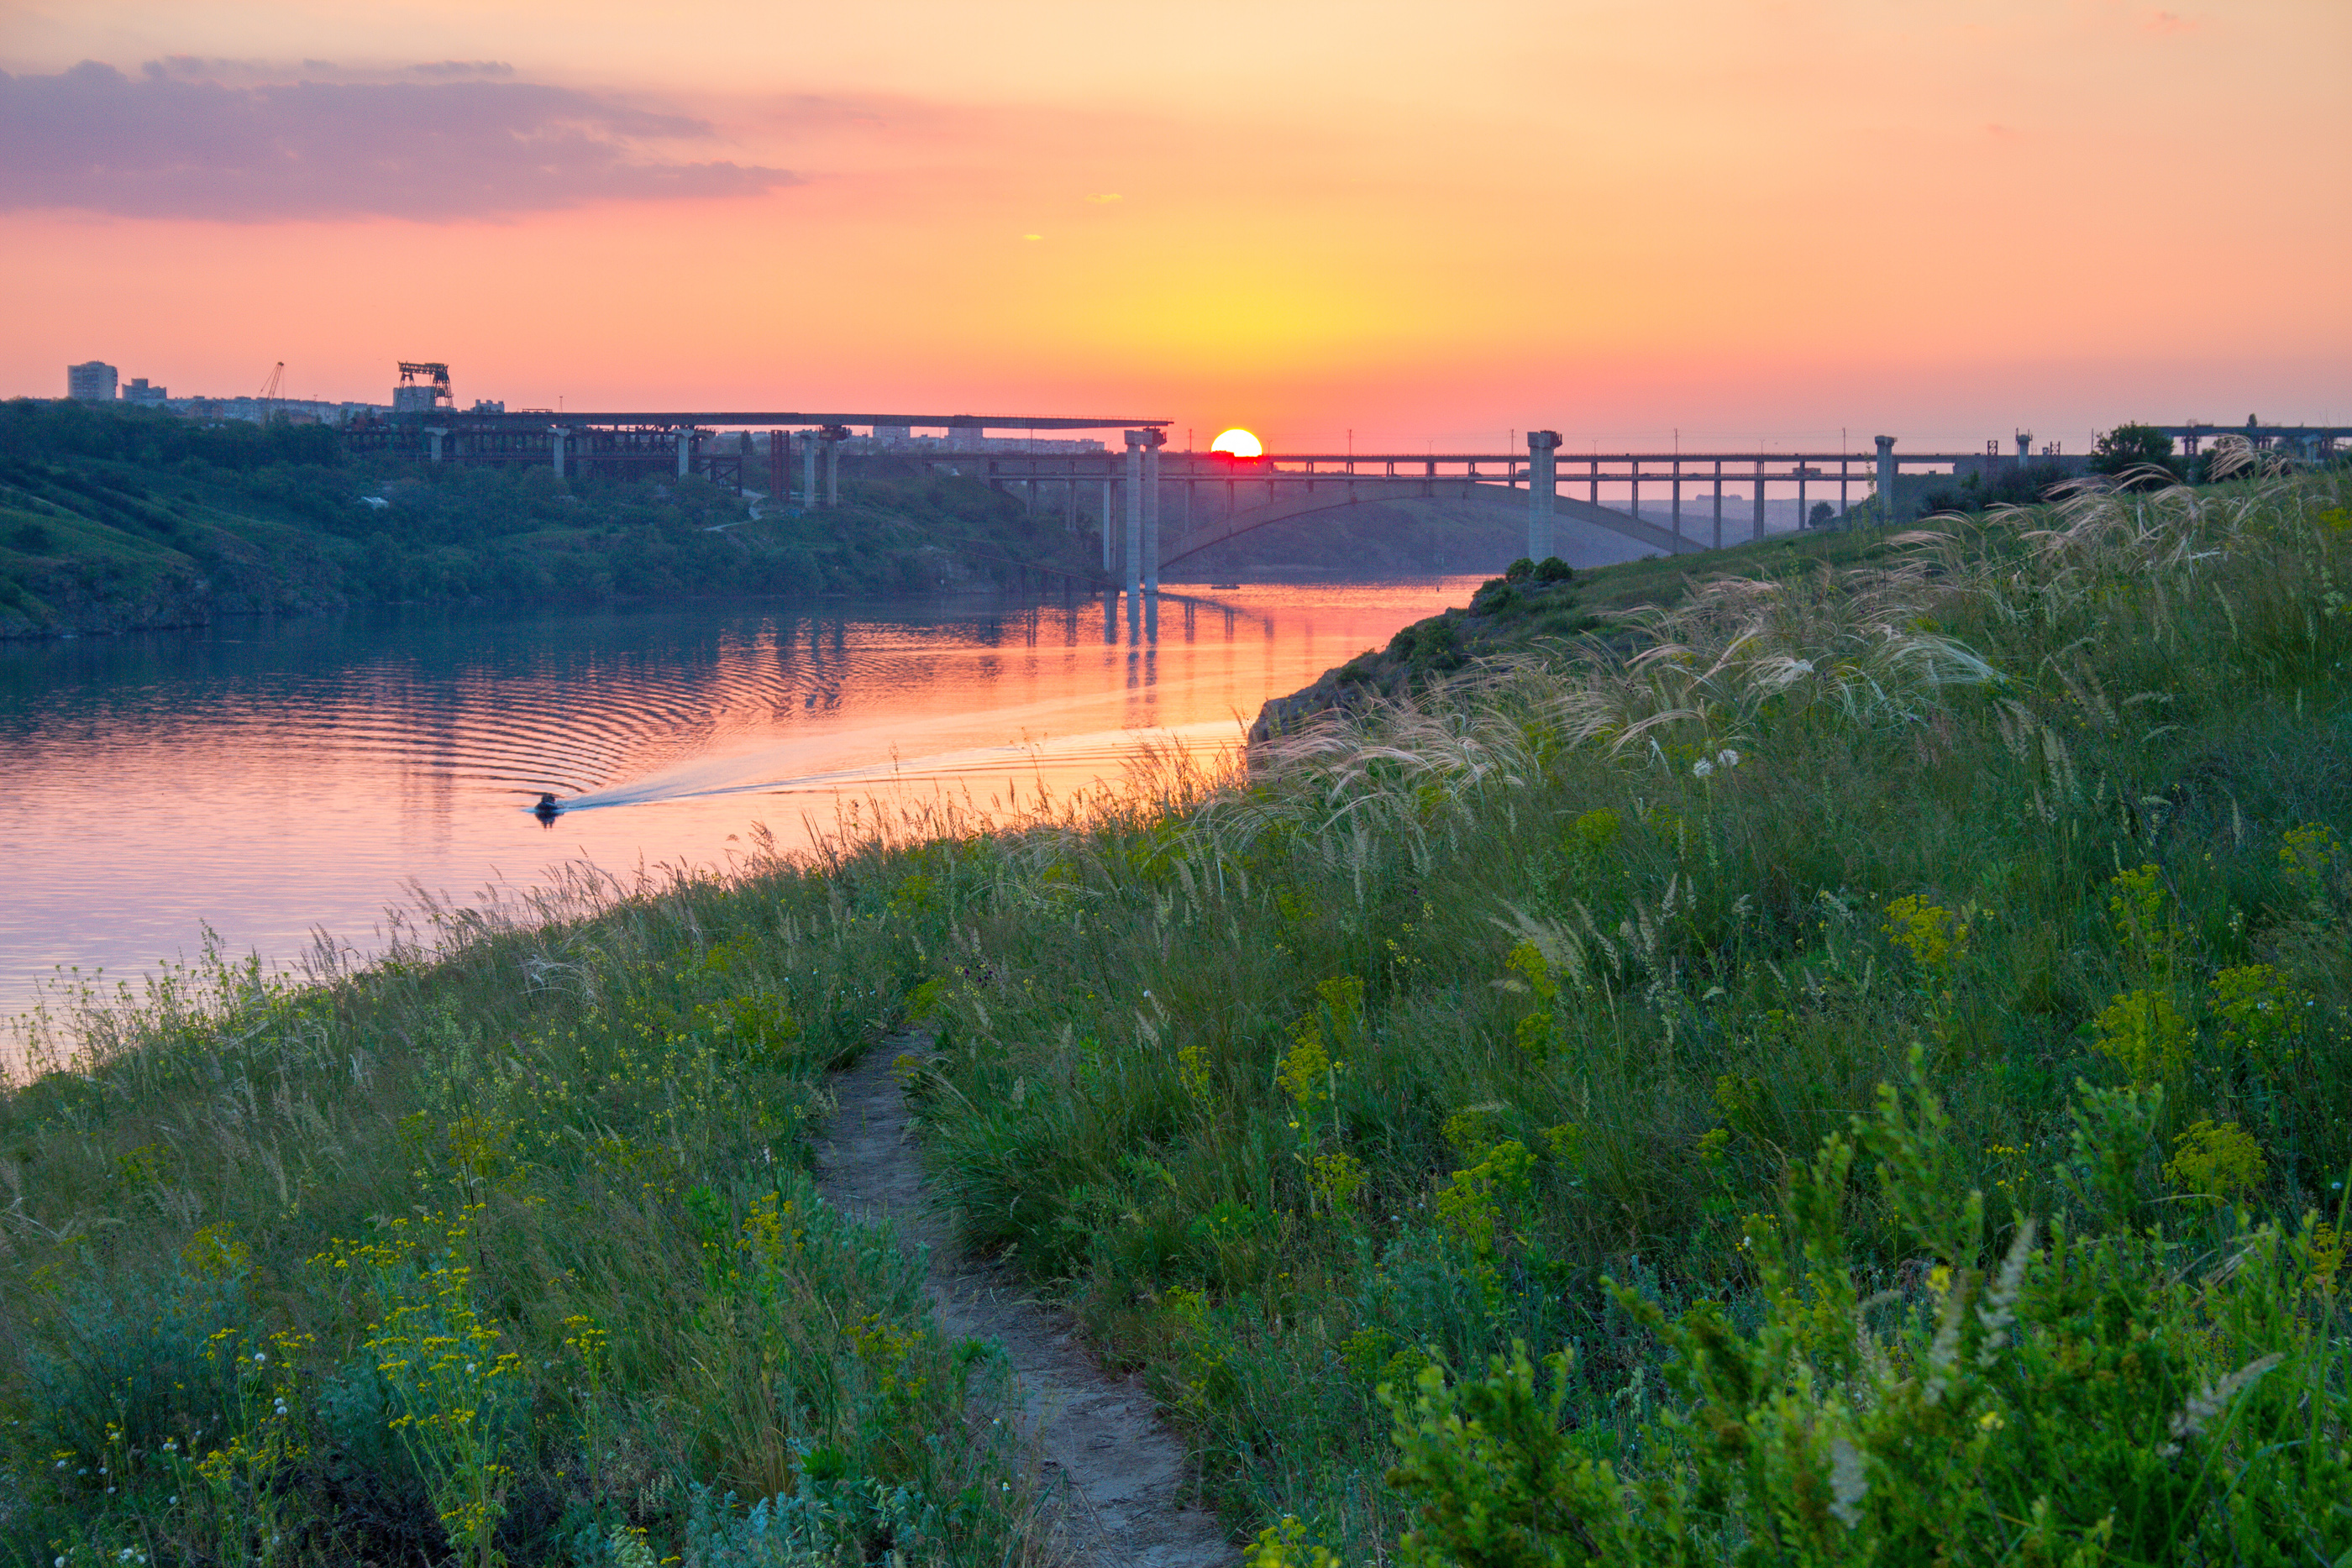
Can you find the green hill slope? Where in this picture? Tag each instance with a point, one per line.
(116, 520)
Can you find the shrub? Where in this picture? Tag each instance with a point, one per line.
(2129, 448)
(2096, 1397)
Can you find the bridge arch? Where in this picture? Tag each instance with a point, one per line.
(1337, 491)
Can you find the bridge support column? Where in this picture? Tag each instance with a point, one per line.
(1886, 479)
(1718, 502)
(1543, 489)
(433, 442)
(685, 452)
(833, 436)
(1108, 555)
(555, 444)
(1134, 512)
(1153, 440)
(808, 471)
(1760, 500)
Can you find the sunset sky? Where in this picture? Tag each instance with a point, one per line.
(1746, 221)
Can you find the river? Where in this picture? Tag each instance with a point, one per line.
(276, 781)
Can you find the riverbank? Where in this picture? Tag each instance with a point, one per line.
(114, 520)
(1878, 1032)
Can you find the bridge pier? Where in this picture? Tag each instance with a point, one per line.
(833, 436)
(1543, 486)
(1153, 440)
(1718, 502)
(1134, 573)
(556, 444)
(1760, 500)
(808, 471)
(1885, 479)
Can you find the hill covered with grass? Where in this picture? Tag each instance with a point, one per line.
(116, 520)
(1848, 1065)
(1541, 607)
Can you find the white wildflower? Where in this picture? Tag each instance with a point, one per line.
(1848, 1484)
(1999, 1310)
(2211, 1400)
(1727, 757)
(1943, 1351)
(1702, 768)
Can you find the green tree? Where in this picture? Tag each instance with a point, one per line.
(2130, 446)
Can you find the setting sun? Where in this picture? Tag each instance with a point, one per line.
(1238, 444)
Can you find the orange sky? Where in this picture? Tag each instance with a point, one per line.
(1933, 218)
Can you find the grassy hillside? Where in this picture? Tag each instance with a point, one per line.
(1537, 612)
(1849, 1066)
(113, 519)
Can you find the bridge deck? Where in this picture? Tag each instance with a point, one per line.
(540, 419)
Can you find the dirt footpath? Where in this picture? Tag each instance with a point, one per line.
(1125, 1474)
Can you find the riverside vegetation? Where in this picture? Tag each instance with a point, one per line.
(114, 519)
(1848, 1066)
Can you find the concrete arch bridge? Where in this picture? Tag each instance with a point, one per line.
(1179, 505)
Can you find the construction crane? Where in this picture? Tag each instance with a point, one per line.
(273, 389)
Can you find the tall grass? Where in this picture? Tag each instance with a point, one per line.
(2055, 799)
(1531, 1009)
(504, 1248)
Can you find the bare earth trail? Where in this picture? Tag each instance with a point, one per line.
(1124, 1473)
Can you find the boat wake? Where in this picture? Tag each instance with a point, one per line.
(1054, 763)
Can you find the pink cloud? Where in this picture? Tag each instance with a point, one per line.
(174, 143)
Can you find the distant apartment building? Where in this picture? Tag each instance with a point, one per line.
(90, 382)
(139, 394)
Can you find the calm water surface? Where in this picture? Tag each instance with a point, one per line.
(270, 779)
